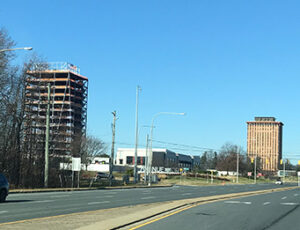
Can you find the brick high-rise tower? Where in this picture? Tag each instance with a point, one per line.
(264, 140)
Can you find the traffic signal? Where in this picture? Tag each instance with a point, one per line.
(252, 159)
(281, 161)
(298, 162)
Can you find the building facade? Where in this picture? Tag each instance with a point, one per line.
(68, 108)
(161, 159)
(264, 141)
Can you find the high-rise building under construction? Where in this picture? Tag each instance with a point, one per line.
(68, 108)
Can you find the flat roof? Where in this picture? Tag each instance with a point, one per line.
(265, 122)
(57, 71)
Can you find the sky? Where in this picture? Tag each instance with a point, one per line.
(220, 62)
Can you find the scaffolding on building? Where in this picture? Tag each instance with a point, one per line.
(68, 107)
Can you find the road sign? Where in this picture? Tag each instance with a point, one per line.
(76, 164)
(298, 173)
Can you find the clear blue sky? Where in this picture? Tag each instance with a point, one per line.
(221, 62)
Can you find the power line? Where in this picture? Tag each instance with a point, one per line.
(188, 146)
(192, 148)
(178, 147)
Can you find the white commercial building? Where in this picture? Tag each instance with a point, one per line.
(162, 159)
(125, 157)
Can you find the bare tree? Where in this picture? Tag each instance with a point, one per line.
(18, 160)
(92, 147)
(227, 158)
(208, 160)
(10, 91)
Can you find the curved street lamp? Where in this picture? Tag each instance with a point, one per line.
(151, 138)
(12, 49)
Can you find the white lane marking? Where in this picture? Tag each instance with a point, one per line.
(98, 202)
(43, 201)
(289, 203)
(232, 202)
(296, 194)
(266, 203)
(283, 198)
(149, 197)
(186, 194)
(59, 196)
(237, 202)
(104, 196)
(247, 202)
(1, 212)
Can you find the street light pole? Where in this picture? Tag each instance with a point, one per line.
(111, 162)
(47, 139)
(138, 88)
(151, 139)
(12, 49)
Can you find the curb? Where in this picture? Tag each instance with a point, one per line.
(14, 191)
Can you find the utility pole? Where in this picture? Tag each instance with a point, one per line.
(255, 170)
(150, 155)
(237, 167)
(151, 140)
(138, 88)
(283, 171)
(47, 139)
(111, 163)
(146, 160)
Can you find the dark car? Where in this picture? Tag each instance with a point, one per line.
(101, 175)
(3, 188)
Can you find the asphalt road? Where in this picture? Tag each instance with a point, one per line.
(271, 211)
(34, 205)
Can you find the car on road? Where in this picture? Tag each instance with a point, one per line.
(4, 188)
(278, 182)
